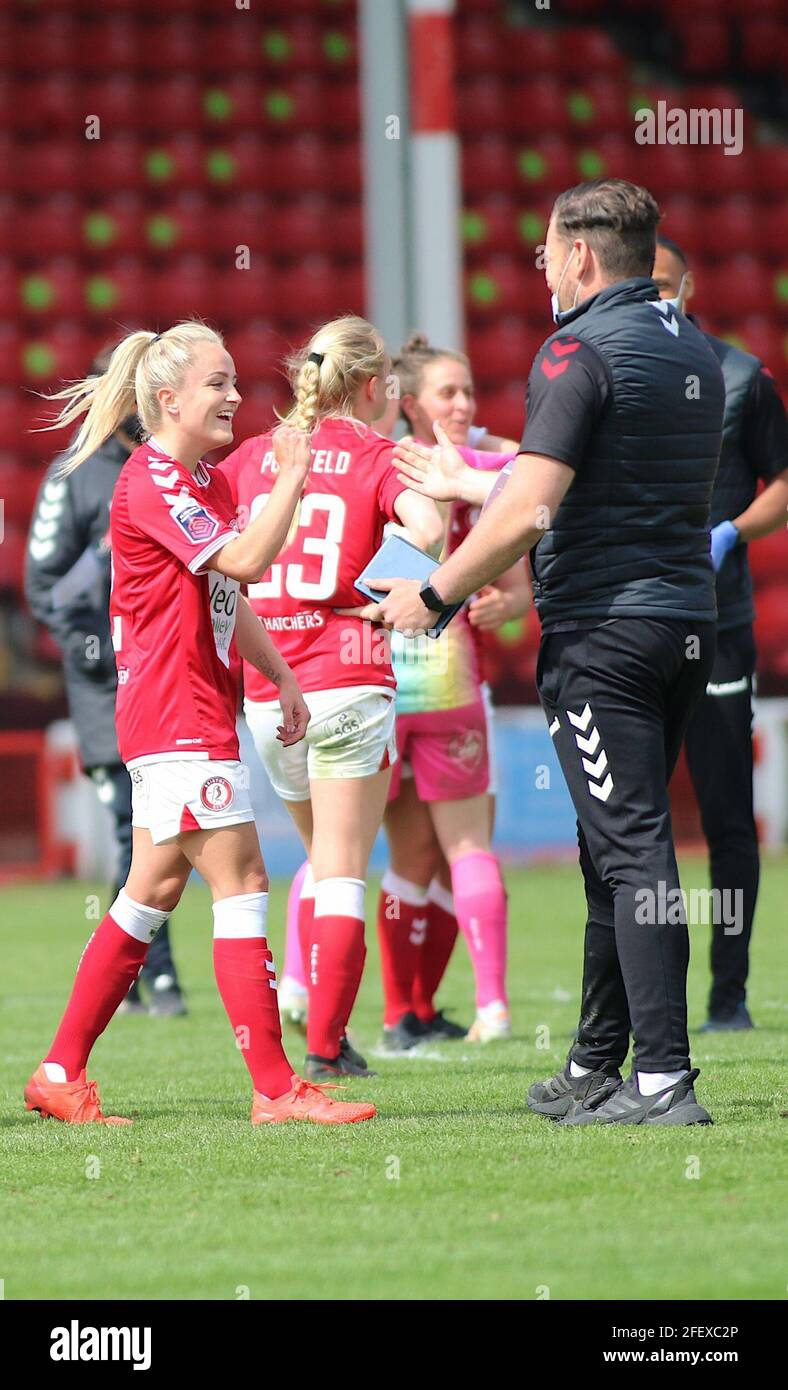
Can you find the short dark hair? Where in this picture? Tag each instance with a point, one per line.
(673, 247)
(619, 221)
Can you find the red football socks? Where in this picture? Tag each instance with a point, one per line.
(110, 964)
(336, 962)
(434, 956)
(402, 927)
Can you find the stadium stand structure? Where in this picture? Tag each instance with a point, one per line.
(217, 136)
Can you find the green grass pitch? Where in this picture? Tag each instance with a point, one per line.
(455, 1191)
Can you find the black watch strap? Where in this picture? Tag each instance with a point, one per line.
(431, 599)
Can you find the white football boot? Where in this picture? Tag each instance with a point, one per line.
(492, 1023)
(293, 1001)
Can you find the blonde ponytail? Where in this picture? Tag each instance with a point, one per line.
(140, 366)
(327, 373)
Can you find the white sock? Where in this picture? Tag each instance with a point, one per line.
(401, 888)
(649, 1082)
(340, 897)
(576, 1070)
(245, 915)
(135, 919)
(55, 1072)
(436, 893)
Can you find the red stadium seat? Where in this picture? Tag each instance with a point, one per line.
(769, 559)
(536, 105)
(731, 226)
(47, 105)
(504, 350)
(598, 106)
(186, 224)
(546, 163)
(112, 164)
(9, 288)
(718, 173)
(231, 104)
(495, 226)
(531, 49)
(122, 290)
(12, 559)
(18, 488)
(488, 166)
(172, 105)
(769, 164)
(764, 44)
(114, 44)
(740, 286)
(681, 222)
(588, 53)
(113, 227)
(287, 48)
(503, 410)
(496, 287)
(52, 226)
(484, 103)
(765, 339)
(702, 44)
(44, 166)
(666, 169)
(315, 290)
(10, 357)
(43, 42)
(773, 222)
(245, 220)
(54, 291)
(116, 100)
(257, 351)
(480, 46)
(236, 165)
(186, 288)
(240, 293)
(177, 45)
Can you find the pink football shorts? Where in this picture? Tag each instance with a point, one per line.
(446, 751)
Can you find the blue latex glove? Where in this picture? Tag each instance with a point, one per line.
(723, 538)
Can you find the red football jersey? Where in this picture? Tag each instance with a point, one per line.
(173, 621)
(348, 498)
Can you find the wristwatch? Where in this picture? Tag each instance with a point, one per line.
(431, 598)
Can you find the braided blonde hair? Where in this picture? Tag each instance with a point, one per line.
(141, 364)
(326, 374)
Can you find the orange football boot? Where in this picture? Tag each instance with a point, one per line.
(75, 1102)
(307, 1102)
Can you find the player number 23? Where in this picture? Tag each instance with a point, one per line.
(327, 547)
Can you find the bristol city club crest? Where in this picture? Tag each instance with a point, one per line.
(216, 794)
(195, 522)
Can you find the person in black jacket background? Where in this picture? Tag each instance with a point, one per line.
(719, 736)
(67, 583)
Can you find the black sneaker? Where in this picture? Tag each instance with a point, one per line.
(555, 1097)
(675, 1105)
(442, 1027)
(133, 1003)
(329, 1068)
(349, 1052)
(737, 1022)
(166, 999)
(406, 1033)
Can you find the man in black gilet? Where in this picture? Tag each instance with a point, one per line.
(611, 495)
(719, 735)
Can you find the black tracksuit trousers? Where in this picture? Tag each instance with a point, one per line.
(618, 698)
(719, 756)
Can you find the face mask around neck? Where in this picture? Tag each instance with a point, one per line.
(554, 305)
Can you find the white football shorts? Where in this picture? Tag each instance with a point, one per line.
(171, 796)
(350, 734)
